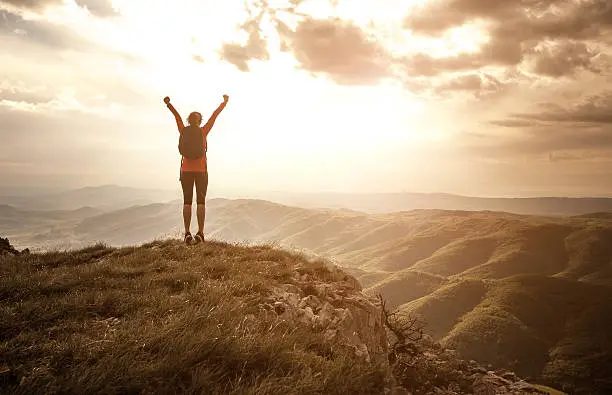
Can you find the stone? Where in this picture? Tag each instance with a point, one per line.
(280, 307)
(361, 350)
(327, 315)
(311, 301)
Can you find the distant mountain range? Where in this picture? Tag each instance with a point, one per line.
(112, 197)
(529, 293)
(394, 202)
(107, 197)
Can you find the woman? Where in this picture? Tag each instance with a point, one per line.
(194, 171)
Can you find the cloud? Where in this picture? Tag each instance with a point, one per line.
(527, 19)
(41, 31)
(501, 52)
(542, 142)
(480, 85)
(255, 47)
(18, 91)
(593, 110)
(340, 50)
(332, 47)
(99, 8)
(512, 123)
(554, 35)
(545, 38)
(580, 131)
(566, 58)
(107, 98)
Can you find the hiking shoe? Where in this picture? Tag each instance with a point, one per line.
(188, 238)
(199, 237)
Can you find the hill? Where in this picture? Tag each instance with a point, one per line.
(212, 318)
(552, 329)
(445, 265)
(163, 318)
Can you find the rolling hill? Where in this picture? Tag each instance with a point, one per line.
(530, 293)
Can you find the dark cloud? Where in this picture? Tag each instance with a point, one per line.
(332, 47)
(554, 33)
(547, 38)
(565, 58)
(100, 8)
(526, 19)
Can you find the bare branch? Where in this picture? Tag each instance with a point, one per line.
(406, 328)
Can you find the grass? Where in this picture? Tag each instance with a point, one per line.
(549, 391)
(163, 318)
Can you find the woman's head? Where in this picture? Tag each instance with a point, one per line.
(194, 119)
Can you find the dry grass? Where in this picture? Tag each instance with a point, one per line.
(162, 318)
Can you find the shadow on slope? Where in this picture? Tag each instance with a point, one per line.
(443, 308)
(404, 287)
(543, 328)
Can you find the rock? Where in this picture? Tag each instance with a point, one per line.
(335, 303)
(361, 350)
(280, 307)
(524, 387)
(309, 314)
(311, 301)
(6, 247)
(508, 376)
(327, 315)
(291, 289)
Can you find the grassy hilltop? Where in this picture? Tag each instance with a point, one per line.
(164, 318)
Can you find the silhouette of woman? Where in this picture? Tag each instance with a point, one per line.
(195, 171)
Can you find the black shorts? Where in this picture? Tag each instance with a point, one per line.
(200, 179)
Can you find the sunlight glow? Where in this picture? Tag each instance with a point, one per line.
(280, 114)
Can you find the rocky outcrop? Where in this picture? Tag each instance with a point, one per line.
(436, 370)
(7, 248)
(331, 300)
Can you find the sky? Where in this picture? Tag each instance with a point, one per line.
(481, 98)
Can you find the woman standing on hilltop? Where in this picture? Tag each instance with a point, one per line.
(194, 170)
